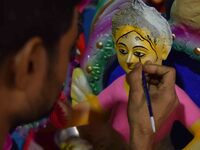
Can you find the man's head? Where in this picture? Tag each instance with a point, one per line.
(140, 33)
(36, 37)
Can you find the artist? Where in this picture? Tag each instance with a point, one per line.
(36, 37)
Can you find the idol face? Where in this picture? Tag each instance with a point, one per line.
(131, 47)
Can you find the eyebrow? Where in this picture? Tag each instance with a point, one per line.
(120, 43)
(140, 47)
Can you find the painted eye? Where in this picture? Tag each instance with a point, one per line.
(139, 54)
(122, 51)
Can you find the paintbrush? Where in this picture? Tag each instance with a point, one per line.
(148, 99)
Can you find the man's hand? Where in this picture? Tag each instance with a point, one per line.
(161, 83)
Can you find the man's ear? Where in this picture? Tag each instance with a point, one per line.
(30, 65)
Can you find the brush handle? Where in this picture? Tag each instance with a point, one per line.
(148, 99)
(146, 92)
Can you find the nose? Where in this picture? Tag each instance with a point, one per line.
(129, 61)
(129, 58)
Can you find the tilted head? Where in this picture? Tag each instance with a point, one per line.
(35, 41)
(140, 33)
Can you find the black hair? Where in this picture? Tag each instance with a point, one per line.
(22, 19)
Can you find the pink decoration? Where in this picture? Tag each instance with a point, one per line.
(8, 143)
